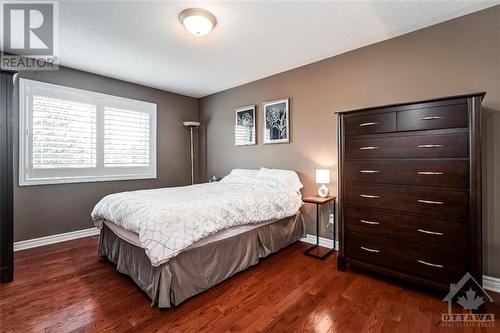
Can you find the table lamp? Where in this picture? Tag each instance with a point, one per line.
(323, 177)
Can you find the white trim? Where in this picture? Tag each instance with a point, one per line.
(36, 242)
(324, 242)
(491, 283)
(29, 176)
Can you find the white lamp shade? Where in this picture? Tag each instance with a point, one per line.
(198, 25)
(191, 123)
(197, 21)
(322, 176)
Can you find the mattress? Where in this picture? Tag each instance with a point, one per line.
(169, 220)
(133, 238)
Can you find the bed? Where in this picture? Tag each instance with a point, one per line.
(177, 242)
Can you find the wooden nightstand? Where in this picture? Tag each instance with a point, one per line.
(318, 201)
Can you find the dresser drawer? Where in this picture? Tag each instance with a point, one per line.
(420, 146)
(441, 266)
(373, 123)
(445, 173)
(426, 231)
(375, 251)
(427, 201)
(446, 116)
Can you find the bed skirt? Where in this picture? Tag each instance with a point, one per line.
(200, 268)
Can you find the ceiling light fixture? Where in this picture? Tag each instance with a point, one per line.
(197, 21)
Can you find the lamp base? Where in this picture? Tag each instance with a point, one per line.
(323, 191)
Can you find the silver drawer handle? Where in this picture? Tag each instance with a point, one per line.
(369, 196)
(430, 202)
(369, 148)
(430, 232)
(367, 124)
(369, 250)
(431, 118)
(369, 222)
(429, 146)
(369, 171)
(430, 173)
(430, 264)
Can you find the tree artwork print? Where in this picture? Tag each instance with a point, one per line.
(276, 121)
(244, 129)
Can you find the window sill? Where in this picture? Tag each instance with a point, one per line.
(55, 181)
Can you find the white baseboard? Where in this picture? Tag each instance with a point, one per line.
(36, 242)
(489, 282)
(324, 242)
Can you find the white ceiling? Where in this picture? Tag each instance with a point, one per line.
(143, 42)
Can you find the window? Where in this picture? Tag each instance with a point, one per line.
(69, 135)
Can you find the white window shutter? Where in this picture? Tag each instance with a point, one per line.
(126, 138)
(64, 134)
(70, 135)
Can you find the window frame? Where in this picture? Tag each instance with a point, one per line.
(77, 175)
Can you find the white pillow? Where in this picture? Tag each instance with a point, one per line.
(244, 172)
(287, 177)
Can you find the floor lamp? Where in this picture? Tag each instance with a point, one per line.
(191, 125)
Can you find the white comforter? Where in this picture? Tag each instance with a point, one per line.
(169, 220)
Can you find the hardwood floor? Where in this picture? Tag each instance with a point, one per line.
(67, 287)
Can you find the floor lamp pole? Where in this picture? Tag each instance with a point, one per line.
(191, 129)
(191, 125)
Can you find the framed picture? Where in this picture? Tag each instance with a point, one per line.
(244, 126)
(276, 121)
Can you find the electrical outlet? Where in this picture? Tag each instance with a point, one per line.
(330, 221)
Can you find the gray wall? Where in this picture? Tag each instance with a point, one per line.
(454, 57)
(44, 210)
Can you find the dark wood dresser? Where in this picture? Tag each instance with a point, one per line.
(410, 190)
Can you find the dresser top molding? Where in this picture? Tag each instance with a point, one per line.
(414, 104)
